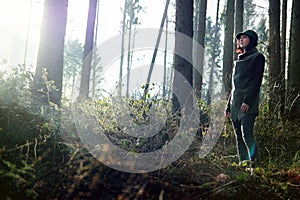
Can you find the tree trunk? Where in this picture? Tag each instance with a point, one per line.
(213, 57)
(199, 53)
(50, 55)
(131, 16)
(195, 35)
(155, 50)
(228, 47)
(87, 54)
(165, 60)
(122, 49)
(293, 83)
(283, 52)
(274, 55)
(184, 25)
(239, 19)
(94, 65)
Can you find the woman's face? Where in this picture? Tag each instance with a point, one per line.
(243, 41)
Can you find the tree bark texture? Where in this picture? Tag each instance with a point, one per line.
(228, 47)
(275, 86)
(294, 63)
(88, 48)
(283, 53)
(184, 25)
(239, 19)
(50, 54)
(198, 71)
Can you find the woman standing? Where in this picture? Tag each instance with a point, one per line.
(243, 102)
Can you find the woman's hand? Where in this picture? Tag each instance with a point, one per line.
(244, 107)
(227, 113)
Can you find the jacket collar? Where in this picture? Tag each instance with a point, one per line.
(248, 53)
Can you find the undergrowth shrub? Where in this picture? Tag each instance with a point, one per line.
(16, 180)
(37, 161)
(24, 137)
(278, 138)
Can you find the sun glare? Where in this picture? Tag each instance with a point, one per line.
(18, 19)
(11, 14)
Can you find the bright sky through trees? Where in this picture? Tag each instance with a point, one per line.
(18, 25)
(15, 16)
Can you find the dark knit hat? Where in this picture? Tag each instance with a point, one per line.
(251, 34)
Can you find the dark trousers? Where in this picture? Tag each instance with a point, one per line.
(246, 144)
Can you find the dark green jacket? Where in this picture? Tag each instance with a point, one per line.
(246, 81)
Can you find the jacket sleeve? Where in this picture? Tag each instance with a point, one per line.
(254, 86)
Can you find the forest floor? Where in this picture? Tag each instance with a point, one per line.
(37, 164)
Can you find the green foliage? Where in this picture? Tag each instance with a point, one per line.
(106, 115)
(278, 138)
(36, 163)
(15, 87)
(133, 8)
(73, 55)
(250, 14)
(21, 133)
(110, 114)
(16, 181)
